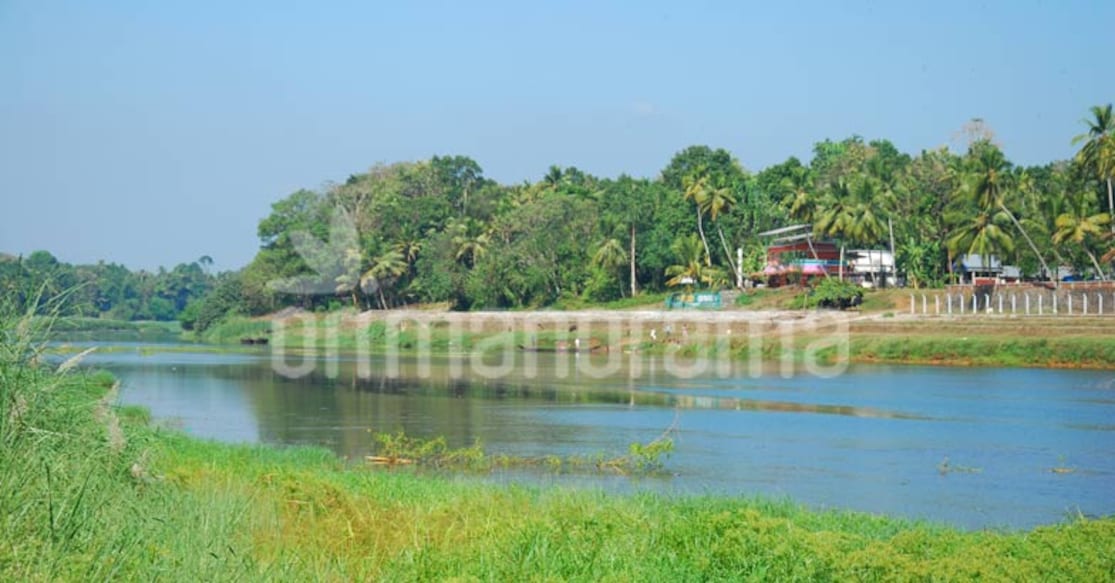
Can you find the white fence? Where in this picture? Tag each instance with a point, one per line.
(1073, 303)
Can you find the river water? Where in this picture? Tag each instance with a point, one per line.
(971, 447)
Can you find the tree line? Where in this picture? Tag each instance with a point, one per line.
(109, 290)
(440, 231)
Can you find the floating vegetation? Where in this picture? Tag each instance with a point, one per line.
(946, 467)
(1061, 467)
(399, 449)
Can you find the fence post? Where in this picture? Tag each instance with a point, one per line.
(1054, 303)
(1070, 303)
(1027, 304)
(1100, 298)
(975, 303)
(1000, 303)
(1013, 303)
(1084, 297)
(924, 305)
(912, 304)
(937, 304)
(948, 303)
(1041, 300)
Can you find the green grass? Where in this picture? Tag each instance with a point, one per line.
(784, 298)
(643, 300)
(234, 328)
(1089, 349)
(78, 328)
(991, 350)
(90, 491)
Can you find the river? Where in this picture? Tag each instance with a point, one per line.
(970, 447)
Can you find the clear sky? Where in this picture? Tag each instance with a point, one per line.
(151, 133)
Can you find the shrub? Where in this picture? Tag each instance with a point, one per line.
(834, 293)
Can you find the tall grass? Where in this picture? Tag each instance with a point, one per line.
(78, 496)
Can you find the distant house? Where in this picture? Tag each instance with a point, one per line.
(873, 266)
(793, 254)
(973, 269)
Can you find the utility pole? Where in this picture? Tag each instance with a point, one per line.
(739, 267)
(893, 257)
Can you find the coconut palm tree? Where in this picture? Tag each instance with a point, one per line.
(471, 246)
(834, 214)
(1078, 227)
(983, 235)
(554, 177)
(689, 268)
(610, 255)
(716, 202)
(800, 198)
(388, 266)
(409, 249)
(866, 225)
(986, 181)
(1041, 209)
(348, 280)
(1098, 152)
(1109, 255)
(696, 189)
(206, 262)
(834, 211)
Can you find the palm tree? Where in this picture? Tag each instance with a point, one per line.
(982, 235)
(409, 249)
(697, 190)
(1041, 209)
(470, 242)
(849, 211)
(800, 198)
(206, 262)
(347, 281)
(610, 255)
(1078, 227)
(1098, 152)
(986, 182)
(1109, 255)
(629, 203)
(834, 215)
(554, 177)
(866, 225)
(689, 269)
(716, 202)
(385, 267)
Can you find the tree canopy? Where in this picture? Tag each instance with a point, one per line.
(440, 231)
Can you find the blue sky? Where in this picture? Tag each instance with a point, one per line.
(152, 133)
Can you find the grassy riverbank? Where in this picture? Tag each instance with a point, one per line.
(92, 491)
(1077, 342)
(77, 328)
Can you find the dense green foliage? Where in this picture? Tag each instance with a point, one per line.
(105, 290)
(439, 231)
(835, 293)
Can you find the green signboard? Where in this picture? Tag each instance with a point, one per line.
(698, 300)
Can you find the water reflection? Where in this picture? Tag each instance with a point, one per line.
(871, 439)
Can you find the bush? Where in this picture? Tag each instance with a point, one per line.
(188, 316)
(834, 293)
